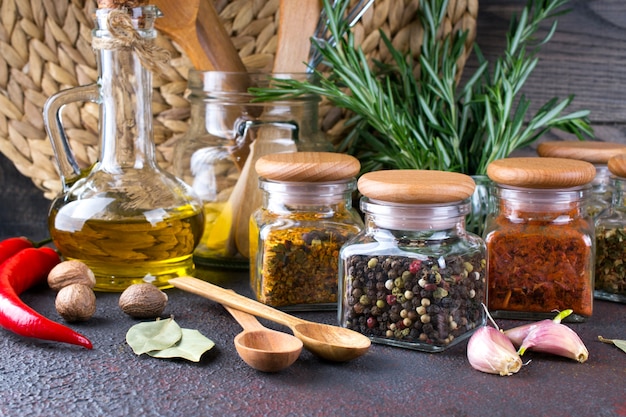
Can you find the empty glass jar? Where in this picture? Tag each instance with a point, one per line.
(228, 132)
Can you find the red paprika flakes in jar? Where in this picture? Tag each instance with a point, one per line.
(414, 277)
(305, 218)
(540, 238)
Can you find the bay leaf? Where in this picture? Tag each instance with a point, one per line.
(153, 335)
(191, 346)
(617, 342)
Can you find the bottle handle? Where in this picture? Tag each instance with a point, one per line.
(66, 161)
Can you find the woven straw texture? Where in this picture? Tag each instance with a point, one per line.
(45, 46)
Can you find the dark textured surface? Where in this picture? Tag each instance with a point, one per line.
(50, 379)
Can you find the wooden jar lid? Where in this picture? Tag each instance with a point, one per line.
(307, 166)
(416, 186)
(617, 165)
(596, 152)
(535, 172)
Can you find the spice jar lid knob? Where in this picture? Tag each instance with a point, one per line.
(412, 186)
(307, 166)
(536, 172)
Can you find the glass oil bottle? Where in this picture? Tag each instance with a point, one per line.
(126, 218)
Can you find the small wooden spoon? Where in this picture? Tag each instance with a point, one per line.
(264, 349)
(332, 343)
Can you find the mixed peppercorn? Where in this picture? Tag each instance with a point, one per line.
(427, 302)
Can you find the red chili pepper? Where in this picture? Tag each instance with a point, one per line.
(27, 268)
(12, 245)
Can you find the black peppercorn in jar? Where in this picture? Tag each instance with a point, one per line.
(610, 268)
(596, 153)
(540, 238)
(414, 277)
(296, 235)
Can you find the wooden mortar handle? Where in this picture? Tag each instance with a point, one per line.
(231, 299)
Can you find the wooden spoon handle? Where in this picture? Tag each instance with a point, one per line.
(245, 320)
(297, 22)
(215, 41)
(231, 299)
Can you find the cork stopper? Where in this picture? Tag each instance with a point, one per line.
(118, 4)
(617, 165)
(595, 152)
(307, 166)
(533, 172)
(416, 186)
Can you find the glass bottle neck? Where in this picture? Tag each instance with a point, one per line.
(126, 96)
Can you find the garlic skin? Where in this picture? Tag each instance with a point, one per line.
(555, 338)
(490, 351)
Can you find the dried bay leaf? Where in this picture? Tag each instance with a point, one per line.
(156, 335)
(617, 342)
(191, 347)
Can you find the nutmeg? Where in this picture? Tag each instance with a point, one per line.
(76, 302)
(143, 301)
(71, 272)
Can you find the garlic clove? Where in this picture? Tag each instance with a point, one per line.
(519, 333)
(490, 351)
(555, 338)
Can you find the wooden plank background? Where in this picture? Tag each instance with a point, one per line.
(586, 57)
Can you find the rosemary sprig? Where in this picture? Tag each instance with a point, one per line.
(432, 122)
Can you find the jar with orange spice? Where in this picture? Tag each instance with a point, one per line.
(610, 279)
(592, 151)
(296, 235)
(540, 238)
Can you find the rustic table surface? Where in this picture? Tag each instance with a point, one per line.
(586, 57)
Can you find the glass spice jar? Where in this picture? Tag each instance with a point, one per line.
(296, 235)
(540, 238)
(595, 152)
(216, 155)
(414, 277)
(610, 270)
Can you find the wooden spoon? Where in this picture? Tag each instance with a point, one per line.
(332, 343)
(264, 349)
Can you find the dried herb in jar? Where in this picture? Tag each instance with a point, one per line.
(610, 256)
(300, 266)
(540, 265)
(423, 301)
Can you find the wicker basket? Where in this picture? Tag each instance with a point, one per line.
(45, 46)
